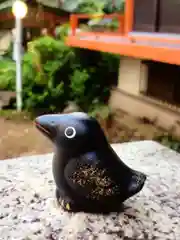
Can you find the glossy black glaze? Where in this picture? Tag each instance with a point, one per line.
(89, 151)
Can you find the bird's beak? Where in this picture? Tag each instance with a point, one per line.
(42, 129)
(44, 125)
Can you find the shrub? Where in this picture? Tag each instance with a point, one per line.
(78, 84)
(7, 74)
(54, 74)
(43, 88)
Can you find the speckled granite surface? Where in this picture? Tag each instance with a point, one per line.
(28, 211)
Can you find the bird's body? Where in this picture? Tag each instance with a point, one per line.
(89, 175)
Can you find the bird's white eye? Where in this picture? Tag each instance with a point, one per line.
(70, 132)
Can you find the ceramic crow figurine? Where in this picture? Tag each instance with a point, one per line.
(89, 175)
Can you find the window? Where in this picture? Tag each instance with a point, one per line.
(164, 82)
(157, 16)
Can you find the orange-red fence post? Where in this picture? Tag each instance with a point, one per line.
(129, 15)
(73, 23)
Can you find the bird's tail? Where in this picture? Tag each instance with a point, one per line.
(136, 183)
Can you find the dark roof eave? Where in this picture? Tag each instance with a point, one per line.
(5, 5)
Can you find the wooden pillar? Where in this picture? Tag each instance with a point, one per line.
(73, 23)
(129, 10)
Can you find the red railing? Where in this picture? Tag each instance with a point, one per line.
(74, 21)
(123, 31)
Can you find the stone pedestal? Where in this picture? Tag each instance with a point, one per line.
(28, 210)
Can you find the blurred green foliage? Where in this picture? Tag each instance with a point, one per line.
(54, 74)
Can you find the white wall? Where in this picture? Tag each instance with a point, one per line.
(132, 76)
(5, 40)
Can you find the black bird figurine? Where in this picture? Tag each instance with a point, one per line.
(89, 175)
